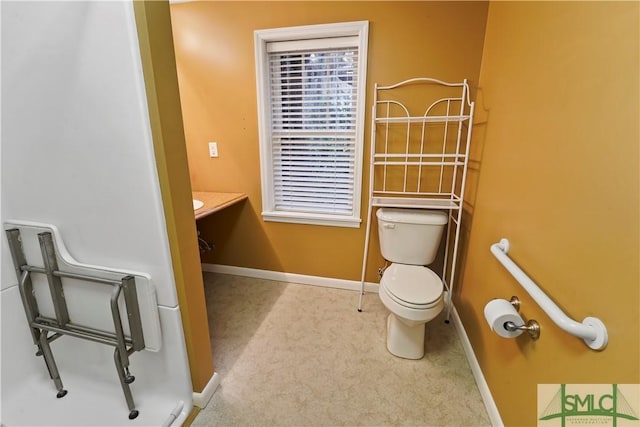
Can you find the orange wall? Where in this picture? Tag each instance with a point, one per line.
(556, 151)
(216, 71)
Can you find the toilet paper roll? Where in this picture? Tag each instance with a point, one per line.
(498, 312)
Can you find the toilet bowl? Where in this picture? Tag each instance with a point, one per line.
(409, 239)
(414, 295)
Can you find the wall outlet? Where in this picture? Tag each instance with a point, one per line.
(213, 149)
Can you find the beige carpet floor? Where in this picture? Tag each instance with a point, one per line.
(298, 355)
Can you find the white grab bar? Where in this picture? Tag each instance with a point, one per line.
(592, 330)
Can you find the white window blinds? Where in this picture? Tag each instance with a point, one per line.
(311, 89)
(313, 128)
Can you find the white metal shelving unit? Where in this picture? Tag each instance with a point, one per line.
(420, 161)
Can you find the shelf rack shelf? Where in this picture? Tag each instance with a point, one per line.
(412, 202)
(422, 119)
(420, 161)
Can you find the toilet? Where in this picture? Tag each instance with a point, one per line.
(409, 239)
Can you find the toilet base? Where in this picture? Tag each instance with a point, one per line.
(403, 340)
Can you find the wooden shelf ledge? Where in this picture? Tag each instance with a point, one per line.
(215, 202)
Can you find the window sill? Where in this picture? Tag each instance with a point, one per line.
(312, 219)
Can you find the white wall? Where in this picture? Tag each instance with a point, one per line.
(77, 153)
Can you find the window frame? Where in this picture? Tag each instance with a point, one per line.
(262, 38)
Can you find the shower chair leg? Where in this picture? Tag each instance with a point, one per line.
(125, 379)
(51, 364)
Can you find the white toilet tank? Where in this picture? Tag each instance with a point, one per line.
(410, 236)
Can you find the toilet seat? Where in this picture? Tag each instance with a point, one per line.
(412, 286)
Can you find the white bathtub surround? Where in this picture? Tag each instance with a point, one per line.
(77, 153)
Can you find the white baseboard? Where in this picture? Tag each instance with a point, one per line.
(485, 393)
(279, 276)
(201, 400)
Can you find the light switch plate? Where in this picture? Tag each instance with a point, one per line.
(213, 149)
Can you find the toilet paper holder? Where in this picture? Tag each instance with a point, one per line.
(531, 327)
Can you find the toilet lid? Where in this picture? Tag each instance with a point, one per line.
(413, 284)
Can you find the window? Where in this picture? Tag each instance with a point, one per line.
(311, 96)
